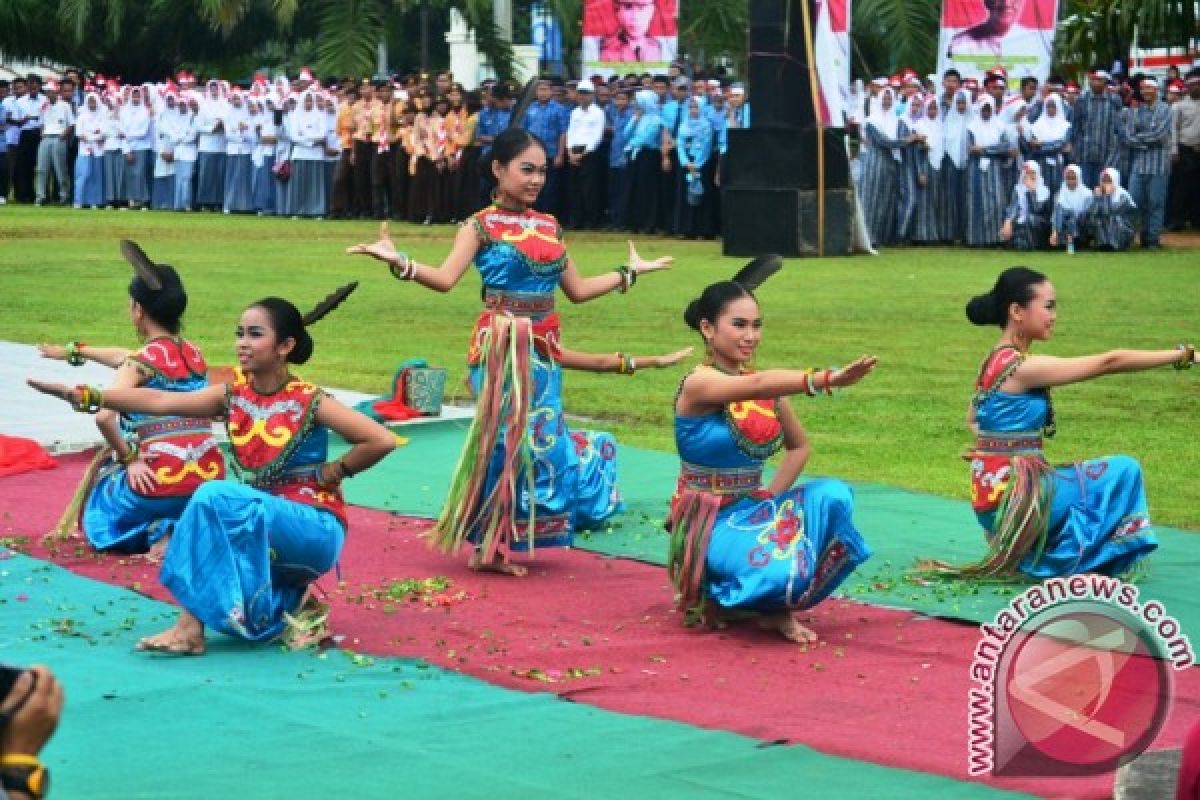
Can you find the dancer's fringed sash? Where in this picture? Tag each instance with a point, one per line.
(1021, 526)
(72, 516)
(698, 500)
(502, 412)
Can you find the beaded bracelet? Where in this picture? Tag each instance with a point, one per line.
(405, 270)
(807, 385)
(130, 457)
(1187, 356)
(628, 278)
(74, 357)
(91, 399)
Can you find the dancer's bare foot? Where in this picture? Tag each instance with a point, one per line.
(788, 626)
(156, 552)
(479, 565)
(186, 638)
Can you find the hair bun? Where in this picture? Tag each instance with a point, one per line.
(691, 315)
(303, 350)
(983, 310)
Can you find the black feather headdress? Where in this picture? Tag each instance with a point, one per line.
(755, 274)
(331, 301)
(146, 269)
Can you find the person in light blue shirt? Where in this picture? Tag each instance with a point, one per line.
(547, 120)
(493, 120)
(619, 114)
(738, 111)
(643, 148)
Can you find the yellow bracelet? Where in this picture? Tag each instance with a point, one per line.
(19, 760)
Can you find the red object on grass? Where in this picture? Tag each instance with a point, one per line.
(18, 455)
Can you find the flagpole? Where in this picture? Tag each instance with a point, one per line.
(814, 86)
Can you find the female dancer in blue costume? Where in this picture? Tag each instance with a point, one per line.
(519, 481)
(242, 555)
(737, 546)
(1040, 520)
(140, 485)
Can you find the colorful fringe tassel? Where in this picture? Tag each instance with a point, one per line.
(1022, 525)
(693, 517)
(502, 411)
(72, 516)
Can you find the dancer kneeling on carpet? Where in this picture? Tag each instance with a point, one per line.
(737, 546)
(519, 481)
(242, 556)
(1044, 521)
(138, 487)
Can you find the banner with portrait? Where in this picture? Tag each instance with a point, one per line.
(831, 51)
(978, 35)
(623, 36)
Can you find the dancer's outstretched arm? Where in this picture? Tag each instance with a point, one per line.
(440, 279)
(203, 403)
(108, 356)
(709, 388)
(1037, 372)
(618, 362)
(579, 289)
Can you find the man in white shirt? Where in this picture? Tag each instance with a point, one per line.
(4, 126)
(585, 131)
(57, 121)
(27, 116)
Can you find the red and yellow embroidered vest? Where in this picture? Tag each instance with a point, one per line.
(182, 452)
(277, 446)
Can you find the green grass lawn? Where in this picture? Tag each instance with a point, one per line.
(63, 278)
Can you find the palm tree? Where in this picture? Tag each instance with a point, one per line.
(888, 35)
(145, 38)
(1100, 31)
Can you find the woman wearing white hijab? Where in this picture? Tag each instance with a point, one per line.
(239, 148)
(1048, 138)
(166, 129)
(263, 157)
(114, 155)
(89, 161)
(1027, 220)
(987, 193)
(186, 152)
(210, 144)
(955, 144)
(1070, 219)
(882, 145)
(283, 155)
(306, 187)
(1111, 213)
(912, 165)
(927, 219)
(137, 131)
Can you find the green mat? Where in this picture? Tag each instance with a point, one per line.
(899, 525)
(262, 723)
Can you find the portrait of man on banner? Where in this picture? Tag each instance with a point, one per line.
(629, 31)
(979, 34)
